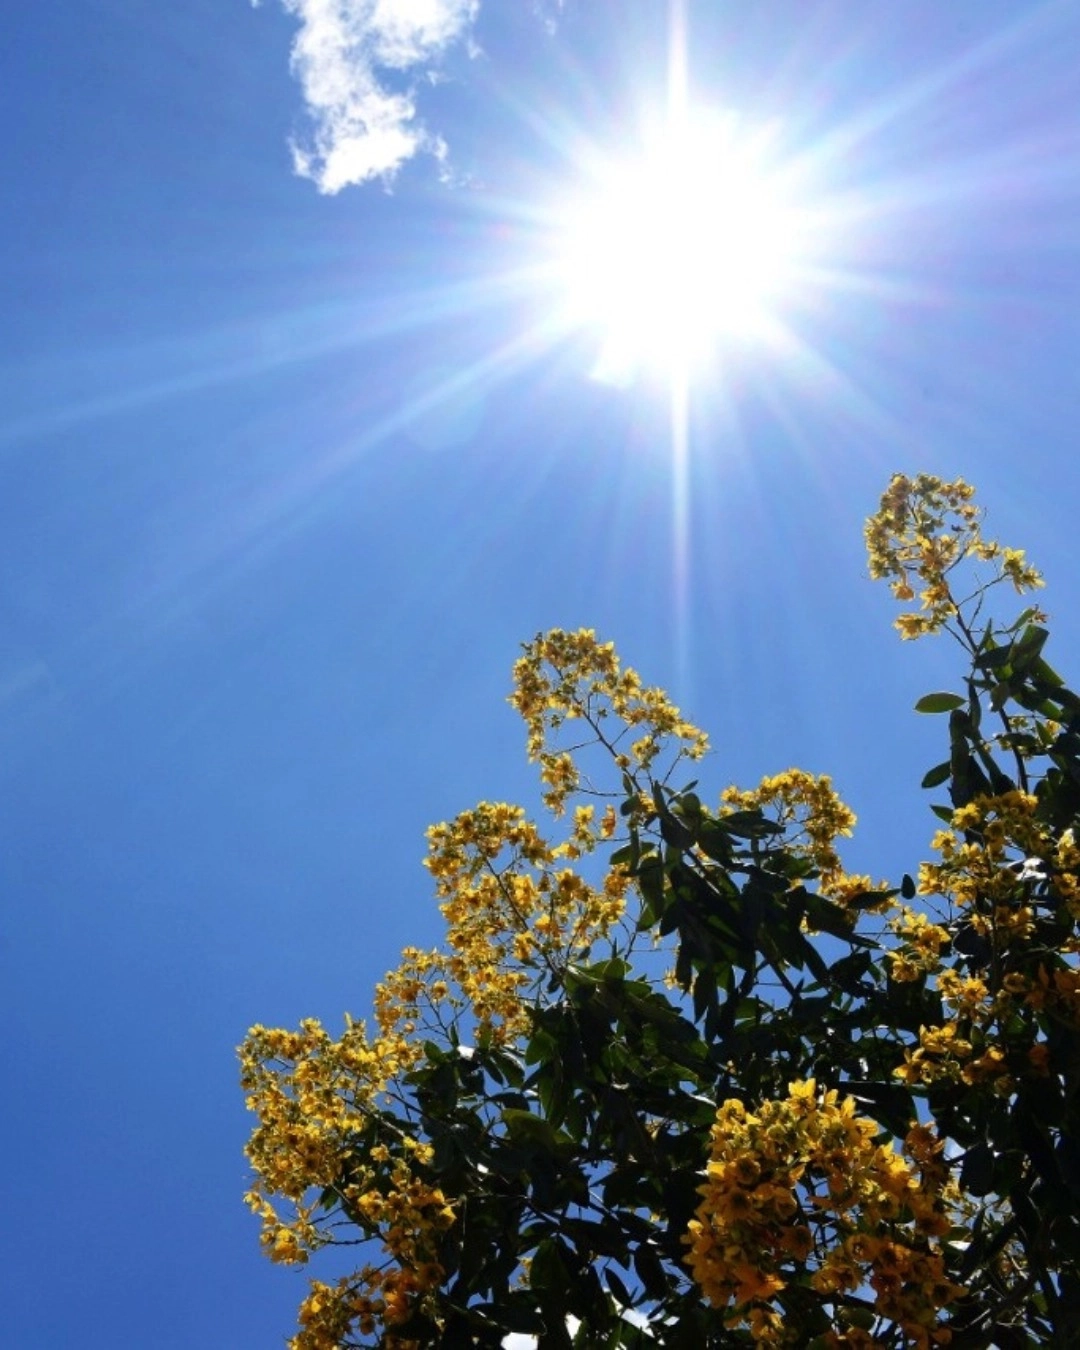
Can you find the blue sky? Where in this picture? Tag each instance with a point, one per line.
(295, 449)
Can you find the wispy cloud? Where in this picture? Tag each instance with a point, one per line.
(354, 60)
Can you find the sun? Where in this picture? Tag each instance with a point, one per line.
(668, 253)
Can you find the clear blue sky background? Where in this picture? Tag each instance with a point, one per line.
(286, 476)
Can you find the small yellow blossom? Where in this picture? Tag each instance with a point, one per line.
(876, 1220)
(922, 530)
(814, 815)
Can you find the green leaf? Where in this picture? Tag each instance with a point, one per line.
(977, 1170)
(650, 1271)
(1028, 648)
(890, 1104)
(1000, 695)
(1047, 674)
(994, 658)
(513, 1314)
(937, 775)
(749, 825)
(619, 1289)
(826, 916)
(815, 961)
(939, 703)
(688, 804)
(704, 991)
(847, 974)
(672, 829)
(715, 842)
(542, 1047)
(650, 880)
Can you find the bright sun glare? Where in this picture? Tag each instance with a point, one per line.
(668, 254)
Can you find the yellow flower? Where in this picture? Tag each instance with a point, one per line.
(566, 676)
(875, 1222)
(810, 808)
(752, 1284)
(922, 530)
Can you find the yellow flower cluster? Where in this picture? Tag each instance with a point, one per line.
(564, 677)
(943, 1054)
(922, 945)
(310, 1093)
(313, 1095)
(924, 527)
(801, 1186)
(972, 1046)
(372, 1300)
(988, 872)
(992, 860)
(513, 914)
(814, 815)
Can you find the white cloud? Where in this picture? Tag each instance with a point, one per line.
(363, 128)
(547, 11)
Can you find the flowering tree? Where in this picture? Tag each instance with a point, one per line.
(675, 1078)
